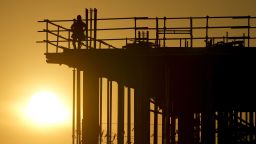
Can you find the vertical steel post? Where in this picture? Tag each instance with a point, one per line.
(173, 124)
(91, 11)
(147, 36)
(157, 33)
(95, 27)
(197, 127)
(249, 26)
(254, 119)
(120, 133)
(206, 30)
(251, 124)
(164, 30)
(100, 97)
(141, 108)
(91, 112)
(108, 113)
(129, 116)
(191, 32)
(135, 29)
(244, 39)
(139, 36)
(143, 36)
(246, 117)
(155, 123)
(167, 105)
(78, 122)
(227, 37)
(164, 125)
(208, 119)
(74, 99)
(86, 29)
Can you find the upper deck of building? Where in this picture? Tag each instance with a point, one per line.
(197, 50)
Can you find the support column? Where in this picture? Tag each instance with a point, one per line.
(120, 133)
(91, 108)
(164, 125)
(109, 112)
(78, 108)
(128, 115)
(186, 128)
(223, 136)
(155, 123)
(167, 128)
(208, 113)
(141, 116)
(251, 125)
(100, 95)
(173, 130)
(74, 108)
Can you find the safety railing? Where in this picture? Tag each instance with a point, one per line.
(102, 33)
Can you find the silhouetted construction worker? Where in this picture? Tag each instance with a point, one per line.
(74, 35)
(78, 28)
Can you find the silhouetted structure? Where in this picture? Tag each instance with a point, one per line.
(197, 85)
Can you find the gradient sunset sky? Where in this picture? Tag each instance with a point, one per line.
(24, 70)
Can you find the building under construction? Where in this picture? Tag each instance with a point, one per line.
(186, 80)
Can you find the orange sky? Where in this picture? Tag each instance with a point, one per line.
(23, 67)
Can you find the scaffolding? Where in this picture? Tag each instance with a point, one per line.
(189, 32)
(209, 52)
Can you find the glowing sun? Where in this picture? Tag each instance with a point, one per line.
(45, 108)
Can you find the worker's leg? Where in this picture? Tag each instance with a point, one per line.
(79, 44)
(74, 42)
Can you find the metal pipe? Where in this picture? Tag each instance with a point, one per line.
(164, 30)
(91, 11)
(86, 29)
(206, 30)
(249, 24)
(100, 94)
(108, 126)
(155, 124)
(110, 111)
(148, 18)
(129, 116)
(147, 36)
(95, 27)
(157, 35)
(191, 32)
(74, 99)
(135, 29)
(251, 124)
(78, 108)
